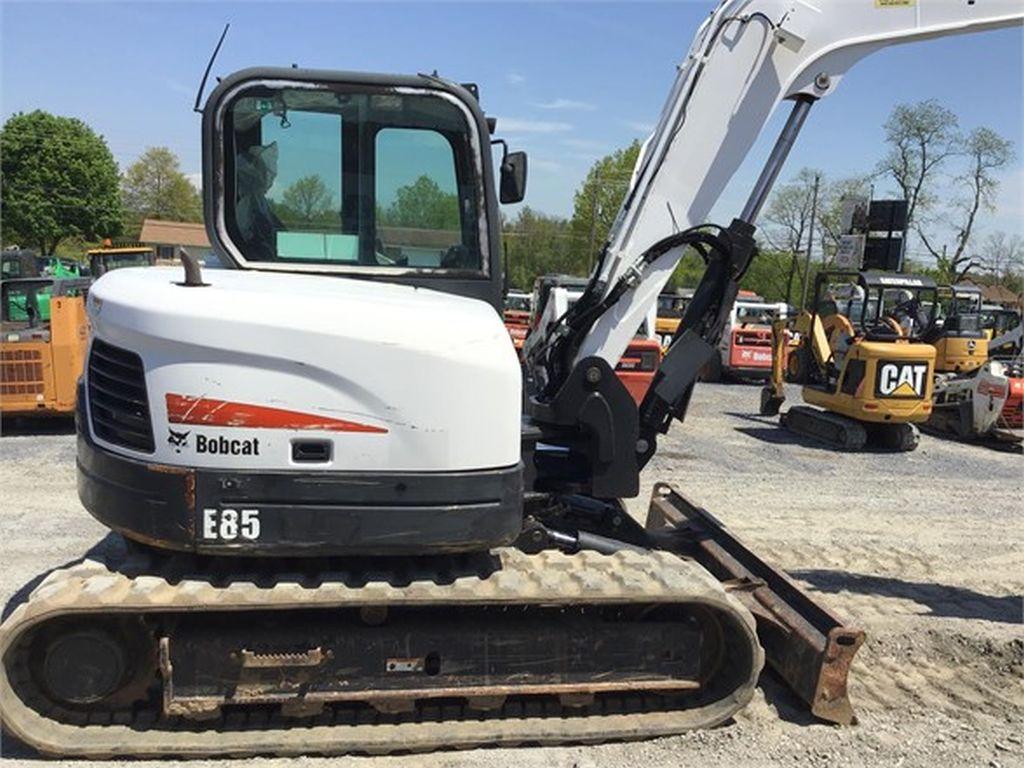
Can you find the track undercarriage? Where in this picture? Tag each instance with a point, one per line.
(182, 656)
(849, 434)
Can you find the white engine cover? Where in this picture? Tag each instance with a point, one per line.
(397, 378)
(986, 388)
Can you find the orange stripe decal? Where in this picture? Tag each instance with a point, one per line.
(204, 411)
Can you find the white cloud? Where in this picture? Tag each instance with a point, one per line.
(582, 106)
(590, 145)
(518, 125)
(514, 78)
(639, 126)
(540, 164)
(196, 180)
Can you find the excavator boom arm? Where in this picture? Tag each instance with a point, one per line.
(747, 57)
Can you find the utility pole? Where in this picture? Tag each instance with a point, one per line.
(810, 242)
(593, 216)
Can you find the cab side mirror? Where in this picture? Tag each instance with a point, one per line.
(513, 178)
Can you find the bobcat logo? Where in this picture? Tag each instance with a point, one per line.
(177, 440)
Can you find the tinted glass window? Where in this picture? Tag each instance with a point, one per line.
(26, 303)
(418, 218)
(356, 180)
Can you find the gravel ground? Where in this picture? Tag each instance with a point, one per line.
(925, 551)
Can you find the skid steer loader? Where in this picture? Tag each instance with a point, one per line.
(971, 389)
(357, 535)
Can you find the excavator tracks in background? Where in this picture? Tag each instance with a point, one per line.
(498, 649)
(847, 434)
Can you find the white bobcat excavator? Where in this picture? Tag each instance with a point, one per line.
(349, 530)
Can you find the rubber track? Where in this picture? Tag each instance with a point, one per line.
(549, 578)
(838, 431)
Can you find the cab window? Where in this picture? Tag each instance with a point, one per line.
(355, 180)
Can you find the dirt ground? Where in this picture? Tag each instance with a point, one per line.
(925, 551)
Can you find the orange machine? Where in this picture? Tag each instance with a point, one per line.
(1012, 416)
(43, 344)
(553, 295)
(516, 314)
(745, 349)
(637, 366)
(517, 330)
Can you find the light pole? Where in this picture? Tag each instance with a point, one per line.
(810, 242)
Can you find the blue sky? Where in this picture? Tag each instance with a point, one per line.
(568, 82)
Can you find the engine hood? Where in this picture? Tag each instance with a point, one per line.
(432, 379)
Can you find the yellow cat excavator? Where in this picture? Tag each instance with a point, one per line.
(858, 357)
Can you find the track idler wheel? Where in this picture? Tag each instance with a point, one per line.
(895, 437)
(80, 664)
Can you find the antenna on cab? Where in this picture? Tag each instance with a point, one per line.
(209, 66)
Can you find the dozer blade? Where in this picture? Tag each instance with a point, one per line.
(806, 644)
(172, 657)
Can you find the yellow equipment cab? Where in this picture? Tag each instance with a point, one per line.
(961, 345)
(110, 257)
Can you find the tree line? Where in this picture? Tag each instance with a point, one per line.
(62, 190)
(61, 187)
(925, 149)
(309, 203)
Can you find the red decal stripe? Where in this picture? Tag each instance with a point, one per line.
(204, 411)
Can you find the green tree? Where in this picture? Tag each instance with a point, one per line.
(787, 220)
(58, 180)
(306, 200)
(154, 187)
(535, 244)
(422, 204)
(595, 206)
(597, 202)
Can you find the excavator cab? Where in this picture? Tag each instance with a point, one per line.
(110, 257)
(287, 394)
(960, 343)
(385, 178)
(43, 337)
